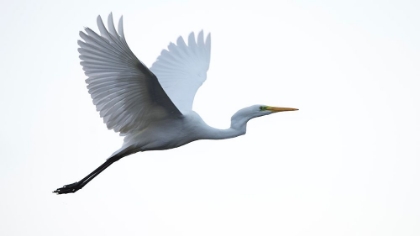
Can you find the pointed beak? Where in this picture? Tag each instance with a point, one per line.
(279, 109)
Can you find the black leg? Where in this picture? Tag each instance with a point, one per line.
(74, 187)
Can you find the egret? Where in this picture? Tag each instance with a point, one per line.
(151, 108)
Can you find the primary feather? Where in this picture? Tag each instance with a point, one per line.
(126, 93)
(182, 69)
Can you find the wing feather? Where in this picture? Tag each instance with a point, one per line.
(181, 69)
(126, 93)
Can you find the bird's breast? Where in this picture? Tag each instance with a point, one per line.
(164, 135)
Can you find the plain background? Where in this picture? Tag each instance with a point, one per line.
(347, 163)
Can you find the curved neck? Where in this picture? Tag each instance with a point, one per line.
(237, 128)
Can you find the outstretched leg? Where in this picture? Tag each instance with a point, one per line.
(74, 187)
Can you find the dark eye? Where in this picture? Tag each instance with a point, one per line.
(263, 108)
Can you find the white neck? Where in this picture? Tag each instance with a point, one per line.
(237, 128)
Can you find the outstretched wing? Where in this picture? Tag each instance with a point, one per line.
(182, 69)
(126, 93)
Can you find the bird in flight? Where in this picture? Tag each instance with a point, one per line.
(151, 108)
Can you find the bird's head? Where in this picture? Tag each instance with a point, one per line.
(247, 113)
(266, 110)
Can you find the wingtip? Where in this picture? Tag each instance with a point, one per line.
(82, 33)
(99, 20)
(200, 34)
(111, 17)
(120, 26)
(180, 41)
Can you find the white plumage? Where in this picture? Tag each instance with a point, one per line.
(151, 108)
(126, 94)
(182, 69)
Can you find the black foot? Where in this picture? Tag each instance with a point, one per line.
(71, 188)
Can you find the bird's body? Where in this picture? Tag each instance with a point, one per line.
(151, 108)
(169, 133)
(174, 132)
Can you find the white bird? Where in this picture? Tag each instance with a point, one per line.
(151, 108)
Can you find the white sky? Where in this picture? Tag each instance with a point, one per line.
(346, 164)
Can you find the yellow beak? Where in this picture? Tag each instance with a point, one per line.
(279, 109)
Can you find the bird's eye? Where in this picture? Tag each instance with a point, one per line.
(263, 108)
